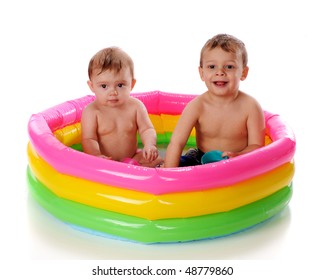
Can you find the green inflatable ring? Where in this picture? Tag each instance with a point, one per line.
(104, 222)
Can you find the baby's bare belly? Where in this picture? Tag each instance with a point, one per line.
(118, 148)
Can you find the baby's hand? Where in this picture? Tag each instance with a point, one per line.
(150, 153)
(105, 157)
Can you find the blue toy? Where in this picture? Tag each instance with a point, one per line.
(212, 156)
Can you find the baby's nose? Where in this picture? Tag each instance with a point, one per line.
(113, 92)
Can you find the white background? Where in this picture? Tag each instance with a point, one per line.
(45, 48)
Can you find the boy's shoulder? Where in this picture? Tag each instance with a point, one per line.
(199, 99)
(250, 103)
(247, 98)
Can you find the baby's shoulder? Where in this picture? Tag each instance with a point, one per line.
(135, 103)
(89, 108)
(134, 100)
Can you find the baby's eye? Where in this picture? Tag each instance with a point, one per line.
(229, 67)
(211, 66)
(120, 85)
(103, 86)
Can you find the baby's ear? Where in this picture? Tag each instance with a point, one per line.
(133, 83)
(90, 84)
(244, 73)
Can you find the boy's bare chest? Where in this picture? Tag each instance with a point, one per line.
(222, 123)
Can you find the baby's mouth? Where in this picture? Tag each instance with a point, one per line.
(112, 100)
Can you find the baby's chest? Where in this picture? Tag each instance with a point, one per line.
(116, 125)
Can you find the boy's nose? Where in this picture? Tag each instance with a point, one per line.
(220, 71)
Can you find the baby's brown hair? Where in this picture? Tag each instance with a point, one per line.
(227, 43)
(112, 58)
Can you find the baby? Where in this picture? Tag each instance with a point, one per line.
(110, 123)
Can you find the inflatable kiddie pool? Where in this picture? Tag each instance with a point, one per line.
(155, 205)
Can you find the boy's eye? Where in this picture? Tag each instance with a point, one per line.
(103, 86)
(120, 85)
(229, 67)
(225, 67)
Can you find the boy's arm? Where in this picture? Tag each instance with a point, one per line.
(180, 135)
(255, 128)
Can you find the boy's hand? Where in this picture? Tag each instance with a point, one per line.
(229, 154)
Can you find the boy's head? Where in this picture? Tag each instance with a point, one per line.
(227, 43)
(113, 59)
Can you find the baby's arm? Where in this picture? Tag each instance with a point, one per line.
(147, 134)
(90, 143)
(181, 134)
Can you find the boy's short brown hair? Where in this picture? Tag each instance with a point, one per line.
(227, 43)
(112, 58)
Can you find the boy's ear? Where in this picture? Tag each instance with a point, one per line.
(201, 72)
(244, 73)
(133, 83)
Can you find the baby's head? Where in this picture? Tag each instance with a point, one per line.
(113, 59)
(228, 43)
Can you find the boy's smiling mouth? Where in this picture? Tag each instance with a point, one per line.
(220, 83)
